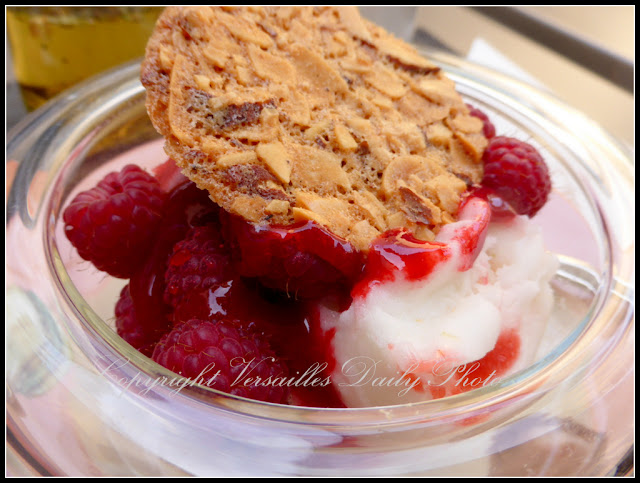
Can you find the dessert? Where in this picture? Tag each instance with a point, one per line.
(335, 203)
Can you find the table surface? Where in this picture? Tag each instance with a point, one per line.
(462, 30)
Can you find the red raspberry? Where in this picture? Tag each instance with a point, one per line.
(198, 263)
(141, 334)
(223, 356)
(113, 224)
(517, 173)
(200, 282)
(488, 129)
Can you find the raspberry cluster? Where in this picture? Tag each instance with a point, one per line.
(192, 303)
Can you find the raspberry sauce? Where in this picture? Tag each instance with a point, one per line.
(493, 365)
(399, 252)
(303, 260)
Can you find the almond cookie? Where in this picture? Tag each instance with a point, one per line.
(286, 114)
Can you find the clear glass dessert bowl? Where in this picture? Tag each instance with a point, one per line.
(81, 401)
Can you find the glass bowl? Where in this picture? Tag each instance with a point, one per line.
(80, 401)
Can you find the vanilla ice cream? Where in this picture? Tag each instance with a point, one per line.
(404, 340)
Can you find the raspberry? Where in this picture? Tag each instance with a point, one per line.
(303, 260)
(113, 224)
(517, 173)
(200, 282)
(140, 333)
(198, 263)
(223, 356)
(488, 129)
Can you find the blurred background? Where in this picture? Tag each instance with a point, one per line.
(584, 55)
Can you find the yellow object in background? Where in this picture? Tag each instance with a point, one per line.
(56, 47)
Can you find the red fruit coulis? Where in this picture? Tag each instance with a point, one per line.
(493, 365)
(399, 252)
(309, 259)
(303, 260)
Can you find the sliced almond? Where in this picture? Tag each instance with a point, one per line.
(439, 90)
(179, 118)
(329, 208)
(419, 208)
(466, 124)
(203, 82)
(439, 134)
(301, 214)
(271, 67)
(317, 129)
(397, 220)
(447, 218)
(420, 110)
(297, 108)
(248, 207)
(275, 157)
(361, 232)
(277, 207)
(374, 209)
(217, 103)
(317, 71)
(407, 136)
(318, 170)
(386, 82)
(422, 232)
(244, 30)
(382, 101)
(357, 66)
(344, 138)
(474, 144)
(166, 58)
(232, 159)
(216, 56)
(341, 37)
(402, 52)
(400, 168)
(462, 164)
(351, 18)
(360, 125)
(446, 189)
